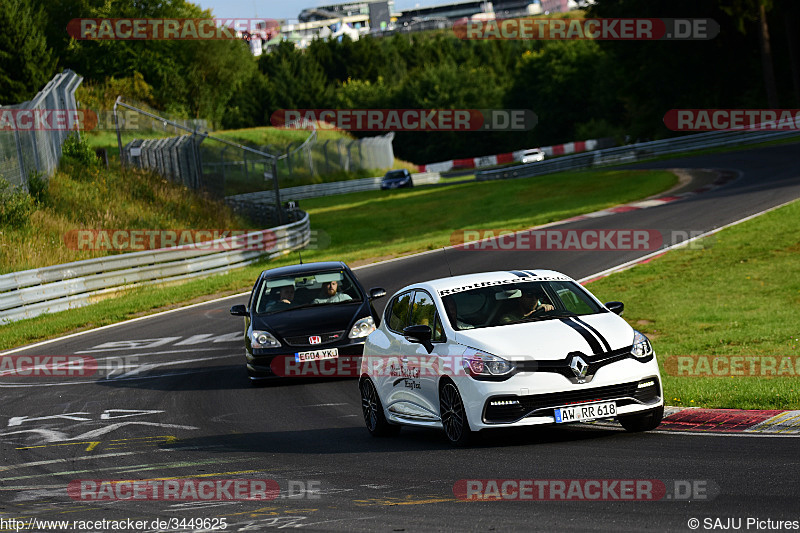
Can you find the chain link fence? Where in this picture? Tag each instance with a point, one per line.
(232, 164)
(31, 133)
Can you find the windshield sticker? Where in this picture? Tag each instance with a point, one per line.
(492, 283)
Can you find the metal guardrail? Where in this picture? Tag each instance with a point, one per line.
(634, 152)
(30, 293)
(328, 189)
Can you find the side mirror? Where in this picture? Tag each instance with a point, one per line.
(239, 310)
(420, 334)
(377, 292)
(616, 307)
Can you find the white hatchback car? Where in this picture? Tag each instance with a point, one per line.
(531, 156)
(502, 349)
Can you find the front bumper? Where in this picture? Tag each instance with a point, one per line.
(260, 363)
(528, 399)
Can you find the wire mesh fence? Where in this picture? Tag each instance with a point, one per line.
(232, 163)
(32, 132)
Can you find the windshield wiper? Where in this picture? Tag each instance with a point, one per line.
(550, 314)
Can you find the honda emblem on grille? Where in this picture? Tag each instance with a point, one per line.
(315, 339)
(579, 368)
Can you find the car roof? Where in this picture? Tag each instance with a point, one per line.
(305, 268)
(455, 284)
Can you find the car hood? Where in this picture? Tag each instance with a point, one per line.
(311, 320)
(550, 339)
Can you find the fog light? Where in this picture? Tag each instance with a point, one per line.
(504, 403)
(646, 384)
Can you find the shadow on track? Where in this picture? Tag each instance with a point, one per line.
(355, 440)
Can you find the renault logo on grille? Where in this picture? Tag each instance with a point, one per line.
(579, 367)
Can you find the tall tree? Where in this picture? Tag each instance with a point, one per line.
(744, 11)
(26, 62)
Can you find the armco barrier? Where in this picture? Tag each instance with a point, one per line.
(635, 152)
(30, 293)
(328, 189)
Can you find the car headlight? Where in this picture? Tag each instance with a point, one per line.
(481, 364)
(362, 328)
(263, 339)
(641, 345)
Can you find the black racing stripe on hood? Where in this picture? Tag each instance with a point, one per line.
(606, 345)
(588, 337)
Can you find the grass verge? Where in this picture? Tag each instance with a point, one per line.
(364, 226)
(736, 294)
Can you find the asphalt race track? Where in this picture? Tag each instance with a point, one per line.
(171, 400)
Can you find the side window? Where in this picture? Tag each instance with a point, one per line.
(573, 300)
(423, 311)
(398, 312)
(438, 331)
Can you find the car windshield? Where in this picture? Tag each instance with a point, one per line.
(514, 303)
(278, 294)
(394, 174)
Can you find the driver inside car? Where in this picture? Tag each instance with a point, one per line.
(531, 303)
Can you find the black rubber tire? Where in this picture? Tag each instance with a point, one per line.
(642, 422)
(371, 406)
(454, 417)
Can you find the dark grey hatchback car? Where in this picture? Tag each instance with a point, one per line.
(306, 313)
(397, 179)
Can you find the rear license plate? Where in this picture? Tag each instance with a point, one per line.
(316, 355)
(589, 411)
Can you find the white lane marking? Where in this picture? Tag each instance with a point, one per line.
(129, 321)
(324, 404)
(139, 354)
(128, 377)
(113, 427)
(18, 420)
(51, 435)
(66, 460)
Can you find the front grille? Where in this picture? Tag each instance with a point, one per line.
(327, 338)
(526, 405)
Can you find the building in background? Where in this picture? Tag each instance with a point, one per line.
(562, 6)
(335, 11)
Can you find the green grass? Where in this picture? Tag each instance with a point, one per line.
(737, 296)
(80, 198)
(389, 223)
(364, 225)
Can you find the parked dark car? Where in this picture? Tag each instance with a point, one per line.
(308, 312)
(396, 179)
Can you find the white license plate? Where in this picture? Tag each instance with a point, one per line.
(589, 411)
(316, 355)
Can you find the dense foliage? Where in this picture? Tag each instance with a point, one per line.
(578, 89)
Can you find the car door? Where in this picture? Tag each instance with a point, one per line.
(387, 370)
(426, 365)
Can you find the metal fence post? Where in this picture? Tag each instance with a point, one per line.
(119, 136)
(277, 191)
